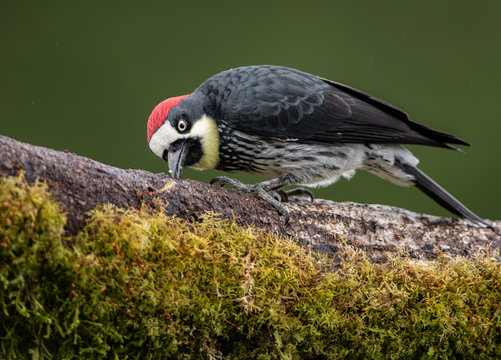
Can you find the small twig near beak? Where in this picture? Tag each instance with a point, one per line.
(169, 183)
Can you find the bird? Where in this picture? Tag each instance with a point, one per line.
(293, 128)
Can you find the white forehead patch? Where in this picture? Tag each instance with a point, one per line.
(162, 138)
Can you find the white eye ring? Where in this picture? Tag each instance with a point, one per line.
(182, 125)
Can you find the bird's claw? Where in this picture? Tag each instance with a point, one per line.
(283, 211)
(215, 180)
(277, 195)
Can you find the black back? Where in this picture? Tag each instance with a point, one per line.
(280, 102)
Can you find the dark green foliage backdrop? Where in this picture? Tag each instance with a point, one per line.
(84, 76)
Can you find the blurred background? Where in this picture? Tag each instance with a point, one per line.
(84, 76)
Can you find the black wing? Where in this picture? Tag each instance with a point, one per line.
(279, 102)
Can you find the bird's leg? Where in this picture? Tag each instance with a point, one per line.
(289, 180)
(266, 190)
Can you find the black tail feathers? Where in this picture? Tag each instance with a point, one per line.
(440, 195)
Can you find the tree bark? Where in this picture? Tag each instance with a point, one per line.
(79, 184)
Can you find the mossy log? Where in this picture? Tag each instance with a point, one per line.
(137, 284)
(79, 184)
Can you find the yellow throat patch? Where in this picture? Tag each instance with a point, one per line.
(206, 130)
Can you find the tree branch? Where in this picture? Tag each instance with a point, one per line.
(80, 184)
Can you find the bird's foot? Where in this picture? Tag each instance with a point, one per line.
(266, 190)
(286, 195)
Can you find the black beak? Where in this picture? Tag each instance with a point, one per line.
(176, 157)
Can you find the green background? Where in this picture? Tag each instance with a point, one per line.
(84, 76)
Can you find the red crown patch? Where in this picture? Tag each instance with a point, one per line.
(160, 112)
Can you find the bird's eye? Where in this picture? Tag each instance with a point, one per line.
(182, 125)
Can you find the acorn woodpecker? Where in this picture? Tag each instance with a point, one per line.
(295, 129)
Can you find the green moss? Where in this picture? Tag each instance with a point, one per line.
(140, 285)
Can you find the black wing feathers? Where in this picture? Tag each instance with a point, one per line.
(396, 113)
(274, 101)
